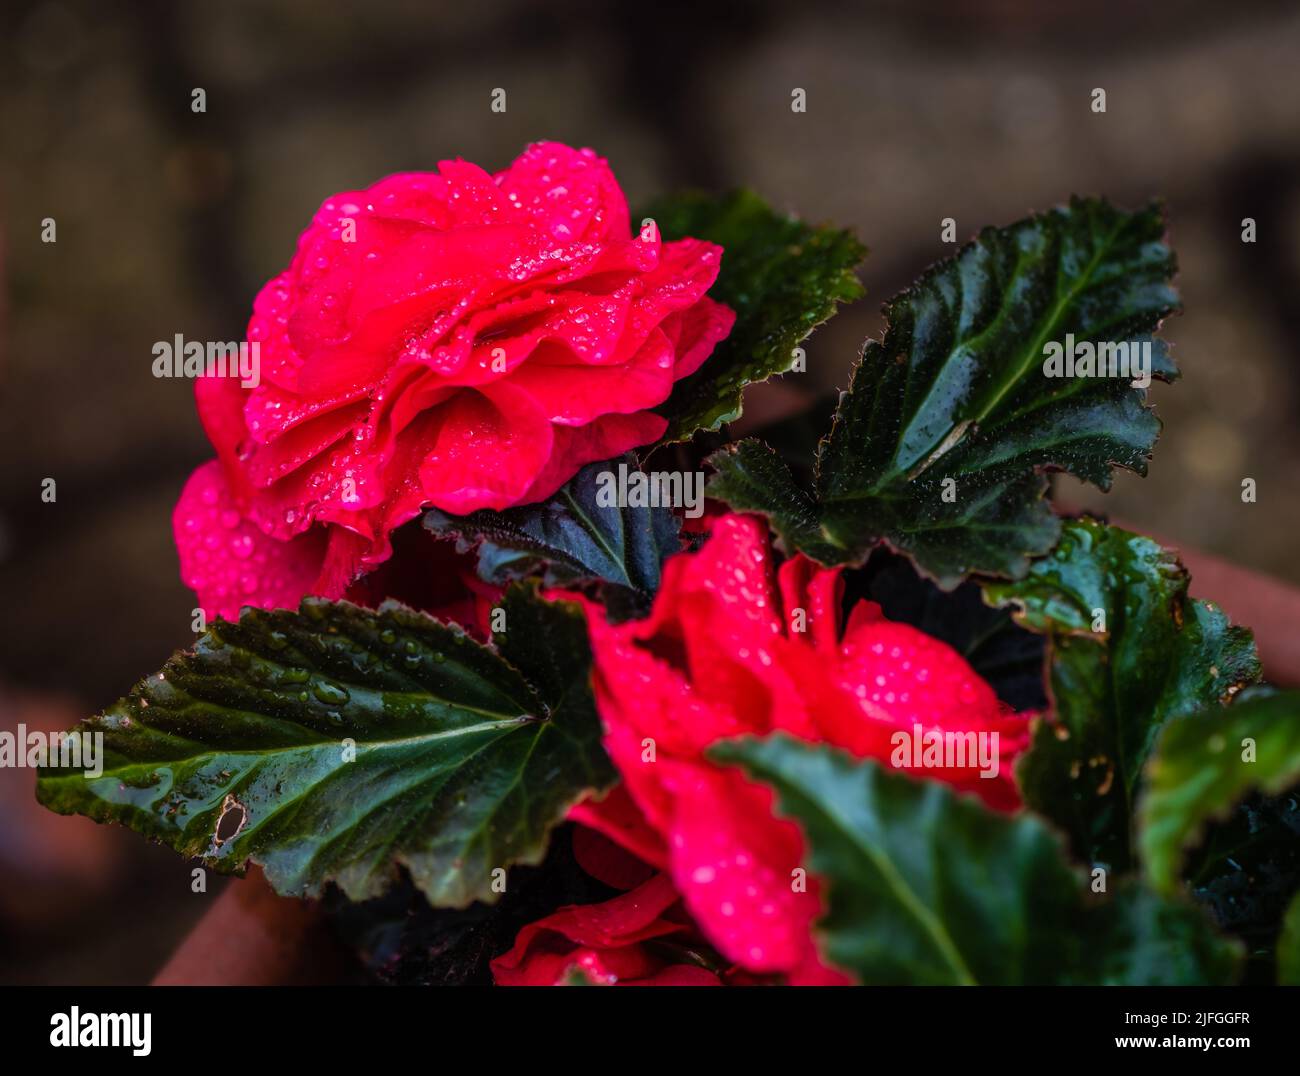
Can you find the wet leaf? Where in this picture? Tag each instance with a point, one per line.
(1127, 650)
(940, 445)
(782, 277)
(576, 536)
(1208, 762)
(333, 743)
(929, 887)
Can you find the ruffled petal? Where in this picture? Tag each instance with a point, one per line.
(574, 447)
(576, 394)
(568, 193)
(602, 940)
(489, 448)
(695, 332)
(618, 819)
(228, 562)
(903, 679)
(607, 861)
(734, 863)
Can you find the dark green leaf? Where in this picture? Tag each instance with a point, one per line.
(1142, 939)
(1156, 654)
(750, 477)
(578, 535)
(1246, 871)
(1249, 863)
(782, 277)
(939, 447)
(926, 887)
(464, 758)
(1202, 768)
(401, 941)
(795, 436)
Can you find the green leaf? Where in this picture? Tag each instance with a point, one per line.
(1157, 654)
(939, 447)
(928, 887)
(1143, 939)
(782, 277)
(578, 535)
(1201, 770)
(750, 477)
(464, 758)
(1288, 947)
(1246, 871)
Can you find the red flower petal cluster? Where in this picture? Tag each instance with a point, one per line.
(734, 646)
(454, 338)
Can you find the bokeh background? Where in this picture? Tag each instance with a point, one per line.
(168, 221)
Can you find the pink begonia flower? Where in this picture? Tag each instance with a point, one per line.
(721, 655)
(453, 339)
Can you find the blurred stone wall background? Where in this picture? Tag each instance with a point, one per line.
(168, 221)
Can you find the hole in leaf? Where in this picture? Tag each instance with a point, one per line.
(232, 819)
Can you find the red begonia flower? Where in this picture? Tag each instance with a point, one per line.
(453, 338)
(722, 654)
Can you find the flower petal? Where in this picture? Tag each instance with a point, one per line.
(228, 562)
(490, 447)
